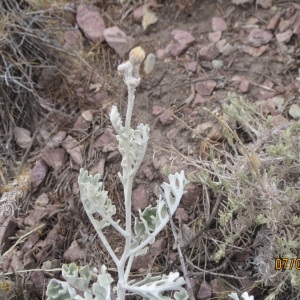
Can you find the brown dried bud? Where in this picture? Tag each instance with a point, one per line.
(137, 55)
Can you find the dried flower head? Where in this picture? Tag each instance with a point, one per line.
(137, 55)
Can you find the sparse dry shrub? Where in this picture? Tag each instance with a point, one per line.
(259, 181)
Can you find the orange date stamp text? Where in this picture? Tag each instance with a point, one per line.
(284, 263)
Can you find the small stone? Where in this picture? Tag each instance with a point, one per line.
(90, 22)
(217, 64)
(38, 278)
(199, 100)
(166, 118)
(279, 120)
(181, 214)
(273, 23)
(37, 215)
(98, 98)
(105, 139)
(279, 101)
(81, 124)
(258, 37)
(214, 36)
(54, 157)
(183, 37)
(218, 288)
(147, 171)
(141, 262)
(31, 241)
(255, 52)
(205, 88)
(157, 110)
(140, 199)
(158, 246)
(204, 128)
(265, 3)
(245, 85)
(38, 173)
(284, 37)
(7, 230)
(162, 53)
(208, 52)
(192, 66)
(294, 111)
(218, 24)
(74, 149)
(42, 201)
(192, 194)
(227, 49)
(266, 106)
(57, 139)
(22, 137)
(204, 292)
(118, 40)
(177, 49)
(74, 253)
(87, 115)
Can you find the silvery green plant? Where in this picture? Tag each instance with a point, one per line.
(138, 234)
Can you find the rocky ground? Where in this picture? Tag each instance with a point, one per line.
(58, 83)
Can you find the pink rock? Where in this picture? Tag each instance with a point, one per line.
(183, 37)
(7, 230)
(147, 171)
(205, 88)
(285, 25)
(118, 40)
(255, 52)
(57, 139)
(265, 3)
(73, 148)
(90, 22)
(192, 194)
(41, 201)
(38, 279)
(158, 246)
(214, 36)
(245, 85)
(199, 100)
(284, 37)
(141, 262)
(258, 37)
(54, 157)
(208, 52)
(140, 199)
(106, 138)
(37, 215)
(31, 241)
(157, 110)
(181, 214)
(218, 24)
(74, 253)
(177, 49)
(266, 107)
(273, 23)
(192, 66)
(162, 53)
(98, 98)
(38, 173)
(242, 256)
(279, 120)
(81, 124)
(166, 118)
(204, 292)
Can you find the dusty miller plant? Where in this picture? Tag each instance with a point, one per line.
(132, 145)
